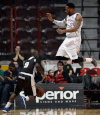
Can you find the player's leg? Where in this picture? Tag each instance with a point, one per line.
(80, 59)
(19, 87)
(91, 60)
(29, 89)
(62, 50)
(61, 53)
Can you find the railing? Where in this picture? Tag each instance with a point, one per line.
(84, 37)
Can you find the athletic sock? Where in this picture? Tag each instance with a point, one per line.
(8, 105)
(88, 59)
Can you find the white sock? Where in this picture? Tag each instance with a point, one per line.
(88, 59)
(27, 98)
(8, 105)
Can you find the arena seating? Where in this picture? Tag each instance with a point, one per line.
(21, 23)
(5, 22)
(6, 34)
(33, 11)
(45, 23)
(22, 34)
(33, 22)
(21, 11)
(6, 11)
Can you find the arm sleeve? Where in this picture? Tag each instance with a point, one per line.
(59, 23)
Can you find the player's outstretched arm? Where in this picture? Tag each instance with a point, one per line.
(39, 69)
(58, 23)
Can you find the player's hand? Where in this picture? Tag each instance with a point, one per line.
(60, 31)
(49, 16)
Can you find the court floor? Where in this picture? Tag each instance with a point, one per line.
(53, 112)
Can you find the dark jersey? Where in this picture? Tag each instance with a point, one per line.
(29, 65)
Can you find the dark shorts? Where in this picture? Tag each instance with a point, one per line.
(24, 83)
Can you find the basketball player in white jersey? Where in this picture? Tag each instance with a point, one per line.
(70, 47)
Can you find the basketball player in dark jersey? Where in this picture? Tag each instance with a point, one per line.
(26, 81)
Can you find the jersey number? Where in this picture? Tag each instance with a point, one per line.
(26, 64)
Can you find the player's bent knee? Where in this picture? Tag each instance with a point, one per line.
(80, 59)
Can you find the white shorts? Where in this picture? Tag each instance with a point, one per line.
(69, 48)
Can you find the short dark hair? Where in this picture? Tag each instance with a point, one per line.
(60, 62)
(50, 70)
(11, 65)
(71, 5)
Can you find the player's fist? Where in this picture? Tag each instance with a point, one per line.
(49, 16)
(60, 31)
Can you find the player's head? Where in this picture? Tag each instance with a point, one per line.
(34, 53)
(60, 65)
(69, 8)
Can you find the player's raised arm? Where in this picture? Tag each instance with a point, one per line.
(58, 23)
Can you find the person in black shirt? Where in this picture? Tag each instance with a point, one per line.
(26, 81)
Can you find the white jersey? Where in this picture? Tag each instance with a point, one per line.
(70, 22)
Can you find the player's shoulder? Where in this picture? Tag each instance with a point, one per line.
(78, 16)
(32, 58)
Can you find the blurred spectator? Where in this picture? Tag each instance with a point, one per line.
(16, 65)
(50, 76)
(10, 78)
(17, 56)
(1, 80)
(61, 76)
(68, 68)
(1, 75)
(91, 83)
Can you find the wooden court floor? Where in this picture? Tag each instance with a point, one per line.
(53, 112)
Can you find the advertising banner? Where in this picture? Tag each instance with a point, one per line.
(57, 96)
